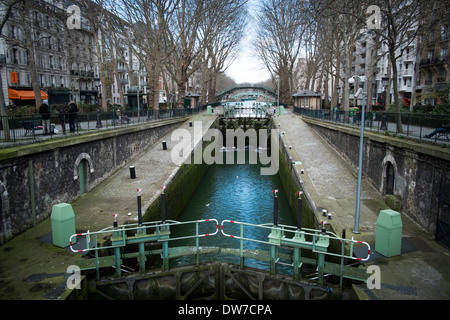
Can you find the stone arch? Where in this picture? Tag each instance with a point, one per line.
(82, 156)
(5, 223)
(388, 163)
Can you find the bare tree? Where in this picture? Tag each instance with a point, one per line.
(282, 25)
(224, 28)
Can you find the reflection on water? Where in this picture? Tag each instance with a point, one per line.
(233, 192)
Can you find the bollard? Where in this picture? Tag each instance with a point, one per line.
(133, 172)
(115, 221)
(299, 211)
(164, 144)
(343, 233)
(324, 229)
(190, 123)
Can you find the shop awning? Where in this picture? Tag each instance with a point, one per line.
(24, 94)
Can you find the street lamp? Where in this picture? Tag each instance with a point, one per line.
(362, 79)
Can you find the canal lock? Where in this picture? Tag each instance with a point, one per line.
(187, 199)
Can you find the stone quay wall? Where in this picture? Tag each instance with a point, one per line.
(35, 177)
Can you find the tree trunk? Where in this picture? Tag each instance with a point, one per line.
(35, 83)
(101, 71)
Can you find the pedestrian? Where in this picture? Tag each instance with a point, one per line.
(73, 114)
(443, 129)
(62, 119)
(44, 110)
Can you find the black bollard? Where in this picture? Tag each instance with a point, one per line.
(275, 208)
(163, 207)
(133, 172)
(343, 233)
(164, 145)
(115, 221)
(299, 211)
(190, 123)
(139, 210)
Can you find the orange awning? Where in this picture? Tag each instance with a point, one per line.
(25, 94)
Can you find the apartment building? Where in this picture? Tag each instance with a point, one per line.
(433, 58)
(66, 61)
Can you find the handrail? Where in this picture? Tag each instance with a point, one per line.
(123, 229)
(316, 234)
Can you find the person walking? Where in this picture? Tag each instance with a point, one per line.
(62, 119)
(44, 111)
(73, 114)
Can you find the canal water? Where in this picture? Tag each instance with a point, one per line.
(235, 192)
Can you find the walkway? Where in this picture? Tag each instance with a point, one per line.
(32, 268)
(421, 272)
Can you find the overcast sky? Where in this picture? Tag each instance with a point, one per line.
(247, 67)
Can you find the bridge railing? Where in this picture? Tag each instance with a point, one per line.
(412, 124)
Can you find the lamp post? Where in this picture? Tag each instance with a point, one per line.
(361, 145)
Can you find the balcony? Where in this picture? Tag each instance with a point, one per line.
(434, 61)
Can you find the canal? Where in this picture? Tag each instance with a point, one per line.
(235, 192)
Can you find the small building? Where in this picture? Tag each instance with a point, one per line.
(191, 99)
(307, 99)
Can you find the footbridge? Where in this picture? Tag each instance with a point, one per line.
(247, 92)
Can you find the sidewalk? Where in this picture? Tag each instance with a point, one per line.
(422, 273)
(32, 268)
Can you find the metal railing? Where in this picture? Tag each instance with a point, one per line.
(123, 235)
(29, 127)
(316, 241)
(413, 125)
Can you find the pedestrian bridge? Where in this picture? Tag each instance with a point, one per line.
(248, 109)
(247, 92)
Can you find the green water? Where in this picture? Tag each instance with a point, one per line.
(235, 192)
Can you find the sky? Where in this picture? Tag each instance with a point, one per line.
(247, 67)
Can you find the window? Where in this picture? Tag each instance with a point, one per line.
(444, 53)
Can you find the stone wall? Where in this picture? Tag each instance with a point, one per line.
(35, 177)
(420, 170)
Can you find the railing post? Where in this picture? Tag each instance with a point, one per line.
(116, 234)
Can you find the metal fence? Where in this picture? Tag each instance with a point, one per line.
(29, 127)
(421, 126)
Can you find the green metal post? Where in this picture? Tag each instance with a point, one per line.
(117, 261)
(97, 265)
(273, 259)
(242, 247)
(296, 263)
(320, 267)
